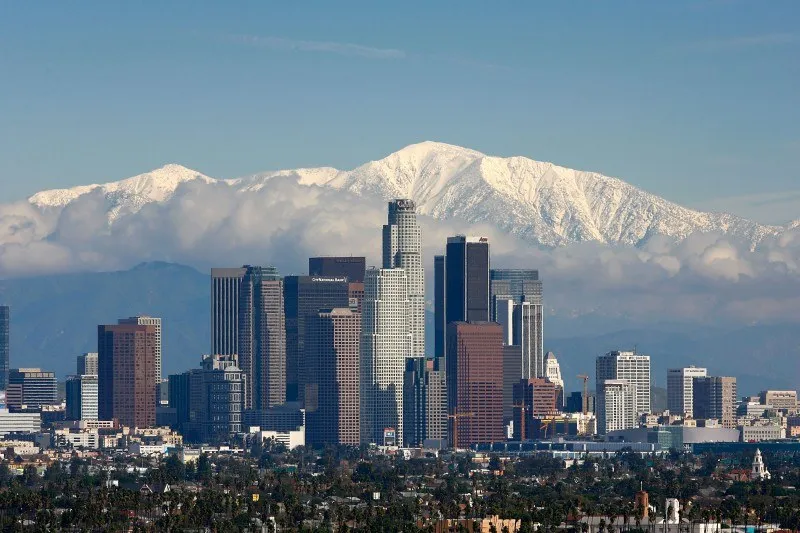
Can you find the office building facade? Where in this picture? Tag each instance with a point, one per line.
(87, 364)
(262, 337)
(352, 268)
(5, 345)
(534, 398)
(616, 406)
(402, 248)
(435, 401)
(216, 399)
(782, 400)
(31, 387)
(439, 306)
(304, 297)
(127, 373)
(680, 381)
(475, 382)
(467, 279)
(528, 335)
(414, 402)
(386, 343)
(714, 398)
(145, 320)
(333, 339)
(630, 366)
(517, 285)
(82, 397)
(225, 286)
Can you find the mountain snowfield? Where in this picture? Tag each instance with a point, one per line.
(542, 203)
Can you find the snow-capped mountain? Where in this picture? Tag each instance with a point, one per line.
(540, 202)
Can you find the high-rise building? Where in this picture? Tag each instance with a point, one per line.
(5, 313)
(352, 268)
(616, 406)
(527, 334)
(414, 402)
(782, 400)
(512, 372)
(126, 360)
(82, 395)
(679, 389)
(332, 343)
(435, 400)
(144, 320)
(533, 398)
(475, 382)
(439, 306)
(715, 398)
(262, 337)
(467, 279)
(225, 286)
(630, 366)
(31, 387)
(355, 292)
(304, 296)
(87, 364)
(518, 285)
(552, 373)
(504, 315)
(402, 248)
(216, 397)
(386, 342)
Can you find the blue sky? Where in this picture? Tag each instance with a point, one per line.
(695, 101)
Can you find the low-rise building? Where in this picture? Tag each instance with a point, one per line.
(759, 432)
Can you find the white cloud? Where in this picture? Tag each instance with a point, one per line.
(704, 278)
(344, 49)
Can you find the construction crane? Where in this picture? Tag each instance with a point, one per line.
(455, 417)
(523, 409)
(585, 398)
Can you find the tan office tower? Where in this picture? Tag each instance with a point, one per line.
(145, 320)
(475, 382)
(715, 398)
(262, 337)
(332, 343)
(126, 373)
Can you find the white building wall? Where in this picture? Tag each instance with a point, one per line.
(680, 389)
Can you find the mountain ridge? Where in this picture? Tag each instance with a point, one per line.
(541, 202)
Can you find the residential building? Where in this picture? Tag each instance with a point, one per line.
(680, 384)
(630, 366)
(333, 338)
(31, 387)
(87, 364)
(402, 248)
(352, 268)
(386, 342)
(262, 337)
(475, 382)
(82, 397)
(616, 406)
(127, 373)
(714, 398)
(225, 286)
(5, 314)
(146, 320)
(304, 297)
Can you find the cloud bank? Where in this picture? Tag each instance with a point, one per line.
(705, 278)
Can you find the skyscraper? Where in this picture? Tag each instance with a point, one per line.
(127, 373)
(87, 364)
(304, 296)
(527, 334)
(225, 286)
(386, 342)
(5, 313)
(332, 343)
(475, 382)
(467, 279)
(435, 400)
(516, 303)
(630, 366)
(216, 397)
(680, 382)
(82, 397)
(414, 402)
(402, 248)
(32, 387)
(262, 337)
(352, 268)
(616, 406)
(439, 306)
(519, 285)
(145, 320)
(715, 398)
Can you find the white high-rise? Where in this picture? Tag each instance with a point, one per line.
(616, 406)
(402, 248)
(145, 320)
(630, 366)
(527, 333)
(680, 397)
(386, 342)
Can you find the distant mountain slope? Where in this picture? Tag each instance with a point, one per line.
(541, 202)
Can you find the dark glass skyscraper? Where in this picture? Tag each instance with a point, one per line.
(225, 286)
(4, 346)
(439, 306)
(304, 297)
(352, 268)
